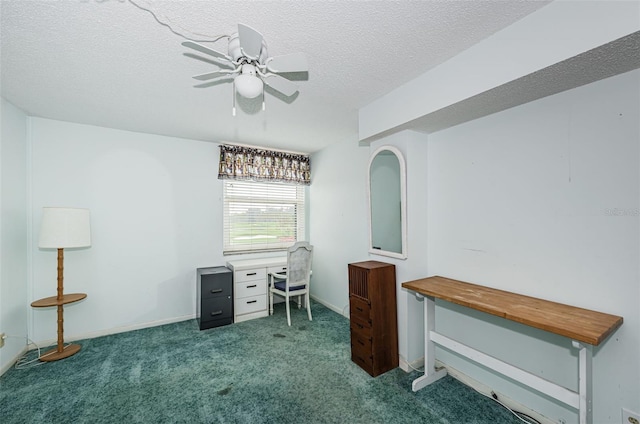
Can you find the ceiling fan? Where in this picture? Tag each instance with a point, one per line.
(250, 66)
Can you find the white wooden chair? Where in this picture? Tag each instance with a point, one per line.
(297, 279)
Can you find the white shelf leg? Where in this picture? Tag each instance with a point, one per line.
(585, 389)
(430, 373)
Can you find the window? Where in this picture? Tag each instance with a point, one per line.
(262, 216)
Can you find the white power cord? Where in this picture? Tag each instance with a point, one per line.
(519, 415)
(24, 361)
(166, 22)
(414, 368)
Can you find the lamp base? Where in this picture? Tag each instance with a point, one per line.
(54, 355)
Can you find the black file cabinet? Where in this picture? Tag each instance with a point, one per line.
(214, 301)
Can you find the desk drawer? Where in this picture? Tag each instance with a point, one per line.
(251, 288)
(277, 269)
(250, 275)
(247, 305)
(360, 308)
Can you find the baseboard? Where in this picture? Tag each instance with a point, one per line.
(114, 330)
(123, 329)
(411, 366)
(418, 365)
(403, 363)
(486, 390)
(332, 307)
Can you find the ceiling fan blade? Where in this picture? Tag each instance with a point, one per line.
(280, 84)
(210, 75)
(206, 50)
(294, 62)
(219, 80)
(250, 41)
(211, 61)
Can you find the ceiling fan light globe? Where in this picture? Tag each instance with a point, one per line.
(249, 86)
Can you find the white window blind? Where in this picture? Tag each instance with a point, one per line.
(262, 216)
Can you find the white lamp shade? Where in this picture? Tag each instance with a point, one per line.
(249, 86)
(65, 228)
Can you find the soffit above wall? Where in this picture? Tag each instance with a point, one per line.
(515, 66)
(617, 57)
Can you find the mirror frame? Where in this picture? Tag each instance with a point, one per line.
(403, 203)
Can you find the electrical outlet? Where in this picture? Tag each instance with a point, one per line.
(2, 337)
(629, 417)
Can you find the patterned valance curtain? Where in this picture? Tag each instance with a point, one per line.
(247, 163)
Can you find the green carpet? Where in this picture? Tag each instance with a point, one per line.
(258, 371)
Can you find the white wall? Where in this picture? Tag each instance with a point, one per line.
(414, 149)
(13, 232)
(156, 215)
(544, 200)
(340, 234)
(338, 223)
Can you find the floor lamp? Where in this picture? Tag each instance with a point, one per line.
(62, 228)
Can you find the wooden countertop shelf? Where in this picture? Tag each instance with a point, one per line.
(579, 324)
(53, 300)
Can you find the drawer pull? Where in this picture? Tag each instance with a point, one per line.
(213, 314)
(360, 309)
(252, 301)
(360, 325)
(252, 286)
(216, 291)
(360, 341)
(251, 273)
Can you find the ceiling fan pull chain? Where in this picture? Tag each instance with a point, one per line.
(233, 110)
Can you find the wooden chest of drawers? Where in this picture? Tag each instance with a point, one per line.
(374, 323)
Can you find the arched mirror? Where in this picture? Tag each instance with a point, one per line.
(387, 203)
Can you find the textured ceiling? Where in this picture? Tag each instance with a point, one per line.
(111, 64)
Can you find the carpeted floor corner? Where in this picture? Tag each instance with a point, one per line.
(258, 371)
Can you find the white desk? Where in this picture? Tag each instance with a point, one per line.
(586, 328)
(251, 287)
